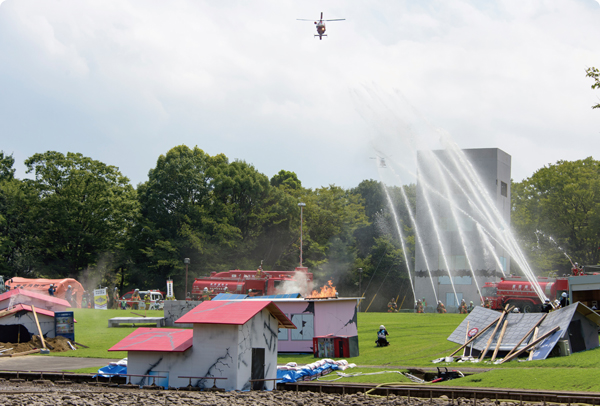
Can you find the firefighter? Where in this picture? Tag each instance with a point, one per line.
(381, 337)
(424, 302)
(470, 307)
(205, 294)
(259, 271)
(147, 301)
(420, 307)
(136, 299)
(564, 300)
(546, 307)
(440, 307)
(392, 306)
(462, 309)
(487, 304)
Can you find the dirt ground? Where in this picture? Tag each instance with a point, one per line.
(57, 344)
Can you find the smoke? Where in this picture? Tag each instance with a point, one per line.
(298, 284)
(94, 276)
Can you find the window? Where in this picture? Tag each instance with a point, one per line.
(503, 189)
(283, 333)
(305, 330)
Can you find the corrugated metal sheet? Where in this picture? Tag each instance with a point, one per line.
(283, 296)
(228, 296)
(156, 339)
(232, 312)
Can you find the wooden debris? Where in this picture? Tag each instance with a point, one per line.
(500, 340)
(81, 345)
(531, 345)
(487, 346)
(535, 333)
(475, 336)
(37, 323)
(527, 335)
(18, 354)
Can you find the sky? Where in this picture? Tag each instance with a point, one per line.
(124, 81)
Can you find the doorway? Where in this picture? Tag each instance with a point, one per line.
(258, 368)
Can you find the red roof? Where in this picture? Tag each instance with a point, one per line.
(20, 307)
(156, 339)
(34, 295)
(232, 312)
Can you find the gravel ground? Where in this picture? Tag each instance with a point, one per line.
(47, 394)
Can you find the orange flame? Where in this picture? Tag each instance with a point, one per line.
(326, 291)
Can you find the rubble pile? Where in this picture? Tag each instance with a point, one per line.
(86, 395)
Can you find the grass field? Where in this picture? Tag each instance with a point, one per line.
(416, 339)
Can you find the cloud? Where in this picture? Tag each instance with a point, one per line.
(124, 81)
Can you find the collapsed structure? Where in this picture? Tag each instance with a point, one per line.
(17, 318)
(568, 330)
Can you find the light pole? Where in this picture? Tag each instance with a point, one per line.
(186, 261)
(301, 205)
(359, 287)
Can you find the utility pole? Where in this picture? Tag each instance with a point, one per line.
(360, 271)
(301, 205)
(186, 261)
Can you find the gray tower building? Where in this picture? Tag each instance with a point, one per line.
(449, 232)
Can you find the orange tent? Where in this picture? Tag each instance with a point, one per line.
(42, 285)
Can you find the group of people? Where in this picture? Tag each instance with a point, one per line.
(421, 304)
(548, 307)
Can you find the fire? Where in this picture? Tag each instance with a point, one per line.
(326, 291)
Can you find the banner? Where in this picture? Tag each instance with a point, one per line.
(100, 299)
(63, 325)
(170, 295)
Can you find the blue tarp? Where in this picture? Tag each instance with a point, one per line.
(293, 376)
(111, 370)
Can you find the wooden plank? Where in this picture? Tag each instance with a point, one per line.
(487, 346)
(527, 335)
(535, 333)
(500, 340)
(532, 344)
(19, 353)
(466, 339)
(37, 323)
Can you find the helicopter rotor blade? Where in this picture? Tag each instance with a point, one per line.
(303, 19)
(336, 19)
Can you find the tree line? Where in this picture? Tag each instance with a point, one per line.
(81, 218)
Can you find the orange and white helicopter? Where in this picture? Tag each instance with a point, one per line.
(321, 25)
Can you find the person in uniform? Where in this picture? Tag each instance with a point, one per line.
(116, 302)
(564, 300)
(420, 307)
(51, 290)
(440, 307)
(381, 337)
(471, 307)
(136, 299)
(392, 306)
(463, 307)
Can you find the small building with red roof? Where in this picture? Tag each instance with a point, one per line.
(17, 323)
(236, 340)
(39, 300)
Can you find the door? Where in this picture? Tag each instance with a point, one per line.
(258, 368)
(341, 352)
(576, 336)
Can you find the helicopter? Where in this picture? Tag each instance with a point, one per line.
(381, 160)
(321, 25)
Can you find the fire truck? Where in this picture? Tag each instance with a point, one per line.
(518, 291)
(254, 283)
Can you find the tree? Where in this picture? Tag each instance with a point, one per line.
(556, 214)
(594, 73)
(83, 208)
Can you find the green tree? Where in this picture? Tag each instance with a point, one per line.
(594, 73)
(556, 213)
(83, 208)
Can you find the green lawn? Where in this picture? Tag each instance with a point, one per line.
(416, 339)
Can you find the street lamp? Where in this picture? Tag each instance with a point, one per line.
(301, 205)
(186, 261)
(360, 271)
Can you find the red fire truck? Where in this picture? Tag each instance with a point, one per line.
(518, 291)
(255, 283)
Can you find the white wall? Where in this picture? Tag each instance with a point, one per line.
(27, 320)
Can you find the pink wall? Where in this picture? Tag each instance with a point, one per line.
(316, 318)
